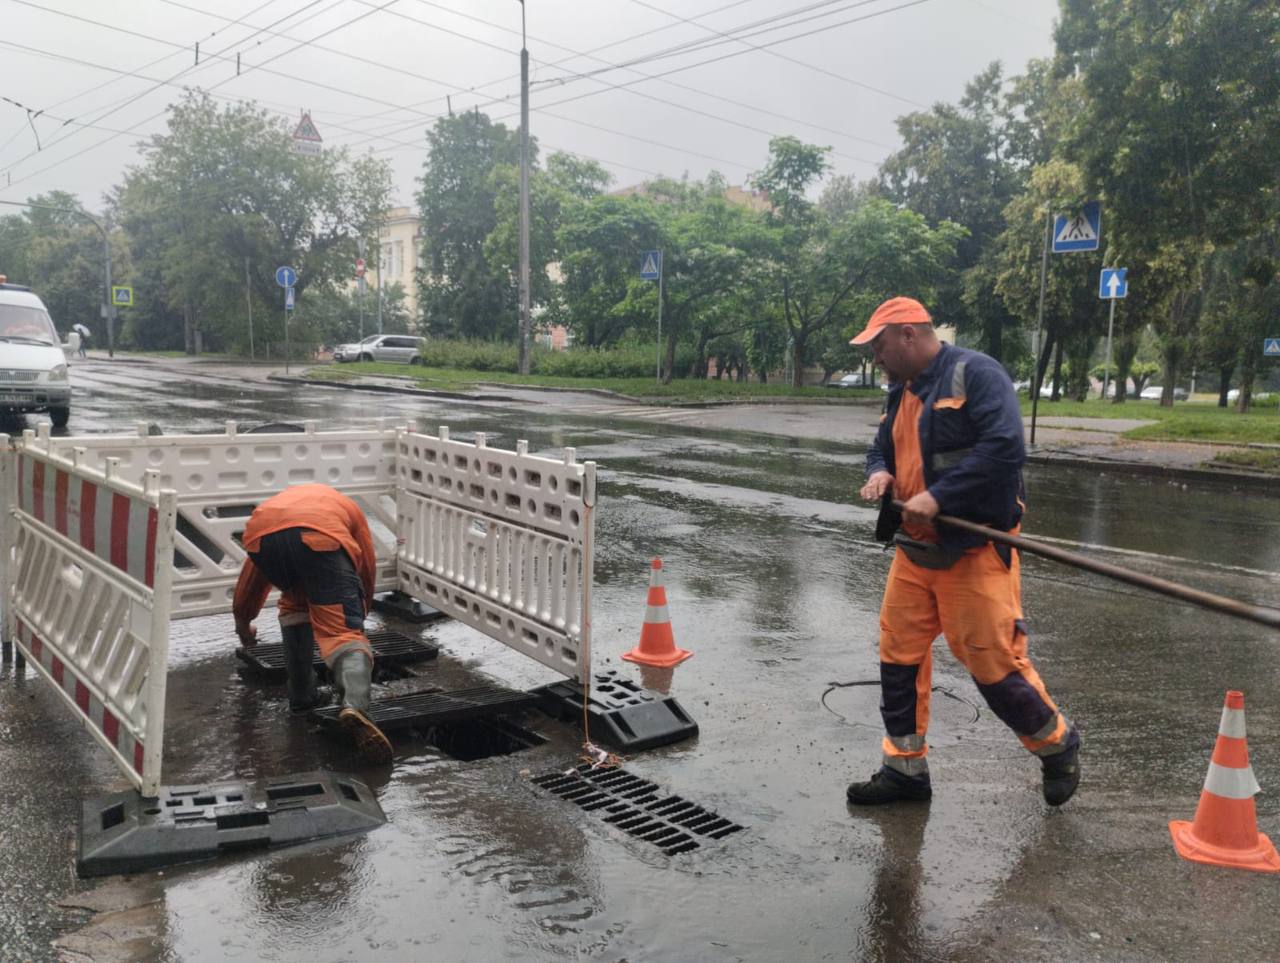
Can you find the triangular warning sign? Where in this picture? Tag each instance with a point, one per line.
(1077, 228)
(650, 265)
(306, 130)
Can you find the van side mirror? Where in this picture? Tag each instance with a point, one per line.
(73, 340)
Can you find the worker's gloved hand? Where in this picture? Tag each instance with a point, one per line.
(247, 632)
(876, 486)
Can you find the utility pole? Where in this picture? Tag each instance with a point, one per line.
(525, 325)
(248, 296)
(1035, 361)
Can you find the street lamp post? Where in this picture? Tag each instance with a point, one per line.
(525, 322)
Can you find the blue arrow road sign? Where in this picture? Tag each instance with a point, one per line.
(1080, 231)
(288, 299)
(1271, 347)
(286, 276)
(1112, 283)
(651, 265)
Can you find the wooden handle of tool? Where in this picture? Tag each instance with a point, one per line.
(1185, 593)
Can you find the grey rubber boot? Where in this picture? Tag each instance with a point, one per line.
(352, 676)
(299, 658)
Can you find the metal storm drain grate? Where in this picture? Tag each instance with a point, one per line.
(638, 807)
(433, 707)
(390, 649)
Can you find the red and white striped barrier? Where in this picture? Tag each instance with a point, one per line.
(88, 571)
(116, 528)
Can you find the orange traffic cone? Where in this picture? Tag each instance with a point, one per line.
(657, 645)
(1225, 831)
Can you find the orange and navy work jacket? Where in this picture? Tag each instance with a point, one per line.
(333, 521)
(970, 437)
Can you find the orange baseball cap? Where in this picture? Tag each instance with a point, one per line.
(893, 311)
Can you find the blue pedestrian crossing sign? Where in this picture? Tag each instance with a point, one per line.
(1079, 231)
(1271, 347)
(288, 299)
(286, 276)
(1112, 284)
(651, 265)
(122, 295)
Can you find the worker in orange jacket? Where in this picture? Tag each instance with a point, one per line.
(313, 544)
(951, 443)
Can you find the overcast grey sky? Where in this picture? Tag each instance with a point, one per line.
(375, 74)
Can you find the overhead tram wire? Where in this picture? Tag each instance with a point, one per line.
(227, 80)
(231, 60)
(477, 88)
(741, 33)
(793, 60)
(399, 145)
(400, 128)
(771, 43)
(686, 87)
(185, 71)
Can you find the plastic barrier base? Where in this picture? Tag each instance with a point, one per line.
(405, 607)
(622, 714)
(431, 707)
(127, 833)
(265, 661)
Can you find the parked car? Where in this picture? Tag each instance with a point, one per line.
(852, 380)
(401, 348)
(1156, 392)
(33, 367)
(1234, 395)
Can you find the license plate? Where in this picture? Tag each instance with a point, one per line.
(14, 399)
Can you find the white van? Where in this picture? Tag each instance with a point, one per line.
(33, 367)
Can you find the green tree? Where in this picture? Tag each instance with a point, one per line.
(221, 190)
(462, 292)
(1178, 130)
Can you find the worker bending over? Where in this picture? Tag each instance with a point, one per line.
(951, 442)
(313, 544)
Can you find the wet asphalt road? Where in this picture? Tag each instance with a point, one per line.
(774, 583)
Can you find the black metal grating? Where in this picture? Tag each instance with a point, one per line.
(638, 807)
(433, 707)
(389, 648)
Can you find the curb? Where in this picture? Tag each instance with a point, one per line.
(386, 389)
(1269, 484)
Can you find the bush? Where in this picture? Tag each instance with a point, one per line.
(470, 355)
(623, 361)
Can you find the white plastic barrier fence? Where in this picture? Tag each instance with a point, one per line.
(220, 479)
(500, 540)
(88, 588)
(105, 538)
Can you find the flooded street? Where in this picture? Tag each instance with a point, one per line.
(774, 583)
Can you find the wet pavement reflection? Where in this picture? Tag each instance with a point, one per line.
(774, 582)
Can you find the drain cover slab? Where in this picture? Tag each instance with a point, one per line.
(639, 807)
(266, 660)
(433, 707)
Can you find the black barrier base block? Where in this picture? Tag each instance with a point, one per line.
(622, 714)
(405, 607)
(431, 707)
(265, 660)
(127, 833)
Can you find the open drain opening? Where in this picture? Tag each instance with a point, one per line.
(482, 739)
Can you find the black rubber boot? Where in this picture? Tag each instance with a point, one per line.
(299, 659)
(352, 675)
(1061, 774)
(889, 786)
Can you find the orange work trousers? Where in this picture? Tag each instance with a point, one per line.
(977, 605)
